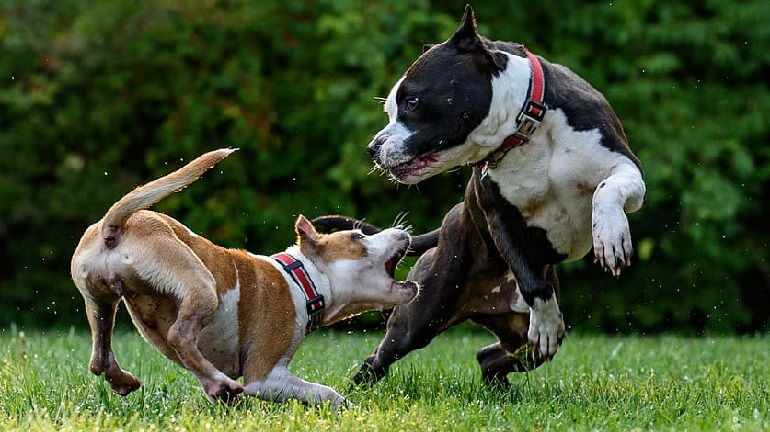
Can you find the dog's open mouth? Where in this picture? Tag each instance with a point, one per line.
(390, 269)
(391, 264)
(414, 168)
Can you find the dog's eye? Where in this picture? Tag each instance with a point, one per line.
(357, 236)
(411, 103)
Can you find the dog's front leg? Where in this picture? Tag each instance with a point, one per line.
(281, 385)
(101, 319)
(620, 193)
(546, 326)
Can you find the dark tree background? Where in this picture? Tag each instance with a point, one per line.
(98, 97)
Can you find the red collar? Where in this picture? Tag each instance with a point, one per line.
(529, 118)
(315, 303)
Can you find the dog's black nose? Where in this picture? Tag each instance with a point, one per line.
(373, 148)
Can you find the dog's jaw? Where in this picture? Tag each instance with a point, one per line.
(416, 169)
(403, 169)
(368, 283)
(390, 152)
(393, 148)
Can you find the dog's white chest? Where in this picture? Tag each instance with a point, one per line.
(551, 180)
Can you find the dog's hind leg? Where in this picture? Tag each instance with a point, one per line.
(183, 338)
(511, 353)
(195, 311)
(101, 319)
(182, 282)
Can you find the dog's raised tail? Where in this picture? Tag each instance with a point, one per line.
(150, 193)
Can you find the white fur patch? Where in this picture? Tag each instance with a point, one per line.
(552, 180)
(281, 385)
(518, 305)
(546, 326)
(391, 105)
(509, 90)
(219, 341)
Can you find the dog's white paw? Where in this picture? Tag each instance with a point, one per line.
(338, 402)
(612, 240)
(546, 327)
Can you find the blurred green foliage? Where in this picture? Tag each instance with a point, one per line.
(98, 97)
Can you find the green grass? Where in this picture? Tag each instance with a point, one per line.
(595, 383)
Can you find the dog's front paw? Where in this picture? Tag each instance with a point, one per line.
(546, 327)
(368, 375)
(612, 241)
(337, 402)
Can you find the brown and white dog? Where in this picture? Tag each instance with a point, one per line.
(225, 313)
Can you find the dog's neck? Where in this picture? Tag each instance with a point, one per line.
(311, 281)
(500, 132)
(528, 118)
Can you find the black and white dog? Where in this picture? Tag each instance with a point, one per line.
(553, 176)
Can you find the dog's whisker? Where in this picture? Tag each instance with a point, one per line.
(400, 221)
(359, 224)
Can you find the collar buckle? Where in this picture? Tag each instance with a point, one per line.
(315, 308)
(529, 118)
(314, 301)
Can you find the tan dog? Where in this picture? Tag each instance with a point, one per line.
(224, 313)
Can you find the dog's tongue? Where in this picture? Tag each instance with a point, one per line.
(406, 285)
(390, 266)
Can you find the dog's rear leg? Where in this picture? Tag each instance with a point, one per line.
(101, 319)
(510, 353)
(193, 289)
(194, 312)
(410, 327)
